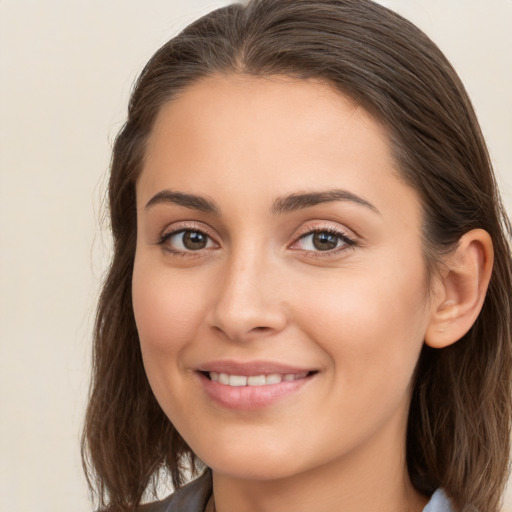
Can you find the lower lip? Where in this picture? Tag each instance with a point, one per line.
(251, 397)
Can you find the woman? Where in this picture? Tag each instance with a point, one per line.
(310, 290)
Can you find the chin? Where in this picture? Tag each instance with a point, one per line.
(252, 465)
(254, 472)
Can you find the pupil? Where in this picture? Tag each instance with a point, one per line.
(325, 241)
(194, 240)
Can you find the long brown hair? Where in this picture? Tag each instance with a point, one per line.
(460, 414)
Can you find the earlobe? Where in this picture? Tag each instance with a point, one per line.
(461, 289)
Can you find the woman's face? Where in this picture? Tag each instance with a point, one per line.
(279, 283)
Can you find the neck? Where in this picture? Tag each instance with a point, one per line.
(372, 478)
(319, 492)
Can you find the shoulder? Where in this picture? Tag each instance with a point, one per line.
(438, 503)
(190, 498)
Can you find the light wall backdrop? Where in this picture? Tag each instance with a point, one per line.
(66, 69)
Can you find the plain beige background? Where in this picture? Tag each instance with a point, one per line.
(66, 69)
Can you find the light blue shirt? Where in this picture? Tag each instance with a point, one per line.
(438, 503)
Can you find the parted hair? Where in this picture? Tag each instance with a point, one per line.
(460, 412)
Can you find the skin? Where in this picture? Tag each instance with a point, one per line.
(260, 289)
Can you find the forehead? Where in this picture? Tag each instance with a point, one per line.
(227, 103)
(274, 135)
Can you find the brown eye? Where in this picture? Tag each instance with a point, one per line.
(186, 240)
(318, 241)
(324, 241)
(194, 240)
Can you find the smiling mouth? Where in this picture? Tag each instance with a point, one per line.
(254, 380)
(252, 386)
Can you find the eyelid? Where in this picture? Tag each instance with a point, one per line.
(186, 225)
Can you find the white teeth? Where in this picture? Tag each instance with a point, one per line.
(224, 378)
(274, 378)
(255, 380)
(237, 380)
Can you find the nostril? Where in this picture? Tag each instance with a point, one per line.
(261, 328)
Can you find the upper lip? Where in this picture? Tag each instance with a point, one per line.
(250, 368)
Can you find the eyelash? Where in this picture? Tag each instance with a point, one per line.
(346, 241)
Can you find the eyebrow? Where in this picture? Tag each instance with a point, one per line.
(181, 199)
(307, 200)
(281, 205)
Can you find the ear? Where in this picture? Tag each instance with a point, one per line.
(460, 290)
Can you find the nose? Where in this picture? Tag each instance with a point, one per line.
(248, 303)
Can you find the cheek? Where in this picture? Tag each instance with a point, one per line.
(167, 310)
(168, 313)
(369, 322)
